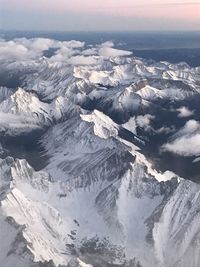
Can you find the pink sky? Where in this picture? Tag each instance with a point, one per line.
(144, 9)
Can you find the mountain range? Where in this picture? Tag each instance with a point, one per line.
(99, 157)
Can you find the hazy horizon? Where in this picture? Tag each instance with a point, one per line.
(110, 15)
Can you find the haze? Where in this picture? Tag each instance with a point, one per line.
(90, 15)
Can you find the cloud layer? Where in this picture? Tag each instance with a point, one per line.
(186, 142)
(184, 112)
(71, 52)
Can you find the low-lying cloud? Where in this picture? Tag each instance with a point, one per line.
(72, 52)
(10, 122)
(144, 121)
(186, 142)
(184, 112)
(106, 50)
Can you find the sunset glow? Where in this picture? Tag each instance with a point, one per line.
(149, 12)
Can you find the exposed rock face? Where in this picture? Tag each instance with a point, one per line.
(94, 121)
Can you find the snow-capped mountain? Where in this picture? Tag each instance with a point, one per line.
(99, 158)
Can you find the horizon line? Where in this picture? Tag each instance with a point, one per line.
(102, 31)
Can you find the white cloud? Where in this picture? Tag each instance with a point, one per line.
(22, 49)
(106, 50)
(67, 50)
(187, 141)
(185, 146)
(37, 44)
(144, 121)
(13, 122)
(90, 52)
(73, 44)
(184, 112)
(72, 52)
(190, 127)
(107, 44)
(196, 160)
(13, 51)
(84, 60)
(63, 54)
(165, 130)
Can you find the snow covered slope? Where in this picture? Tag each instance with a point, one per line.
(110, 125)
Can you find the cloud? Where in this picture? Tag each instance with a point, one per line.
(73, 44)
(84, 60)
(106, 50)
(74, 54)
(63, 54)
(165, 130)
(185, 146)
(190, 127)
(196, 160)
(22, 49)
(26, 49)
(13, 51)
(37, 44)
(13, 122)
(184, 112)
(187, 141)
(90, 52)
(71, 52)
(144, 121)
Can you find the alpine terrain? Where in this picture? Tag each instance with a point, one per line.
(99, 157)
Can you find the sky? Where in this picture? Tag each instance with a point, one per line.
(97, 15)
